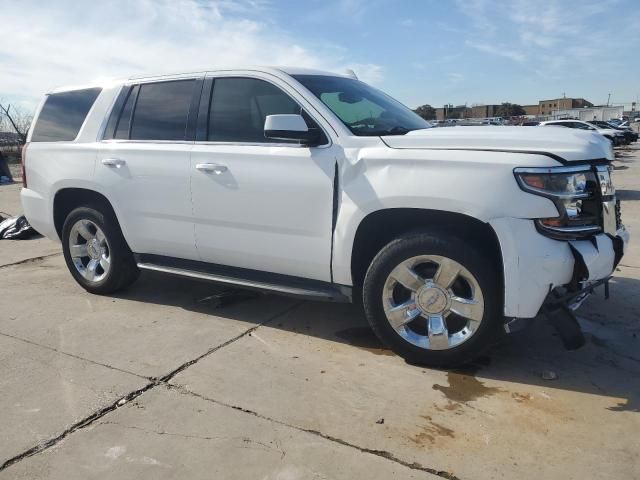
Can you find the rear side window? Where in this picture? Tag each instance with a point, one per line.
(161, 111)
(63, 114)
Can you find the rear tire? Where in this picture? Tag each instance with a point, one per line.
(96, 252)
(451, 311)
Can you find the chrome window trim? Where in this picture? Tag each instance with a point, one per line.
(261, 144)
(162, 142)
(192, 142)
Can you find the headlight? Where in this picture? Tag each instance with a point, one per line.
(574, 192)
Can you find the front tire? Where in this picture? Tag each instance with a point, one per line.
(433, 299)
(96, 252)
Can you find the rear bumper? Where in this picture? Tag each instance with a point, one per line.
(535, 265)
(38, 213)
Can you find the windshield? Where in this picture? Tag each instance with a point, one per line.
(363, 109)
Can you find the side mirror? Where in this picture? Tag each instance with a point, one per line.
(290, 127)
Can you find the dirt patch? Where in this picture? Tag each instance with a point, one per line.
(520, 398)
(364, 338)
(431, 432)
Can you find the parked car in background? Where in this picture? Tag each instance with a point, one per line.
(629, 134)
(530, 124)
(615, 137)
(316, 185)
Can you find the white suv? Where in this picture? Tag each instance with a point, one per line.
(317, 185)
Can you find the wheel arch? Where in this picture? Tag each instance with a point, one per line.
(68, 198)
(378, 228)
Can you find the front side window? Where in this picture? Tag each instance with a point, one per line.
(363, 109)
(63, 114)
(161, 111)
(239, 107)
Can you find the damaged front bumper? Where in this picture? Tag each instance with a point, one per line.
(593, 267)
(537, 268)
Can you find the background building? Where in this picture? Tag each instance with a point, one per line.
(533, 110)
(449, 111)
(548, 107)
(565, 107)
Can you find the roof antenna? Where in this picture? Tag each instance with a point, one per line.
(351, 74)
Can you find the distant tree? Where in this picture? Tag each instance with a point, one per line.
(18, 120)
(426, 111)
(510, 110)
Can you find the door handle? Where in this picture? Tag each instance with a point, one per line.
(113, 162)
(211, 167)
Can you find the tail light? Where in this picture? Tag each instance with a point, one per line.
(23, 161)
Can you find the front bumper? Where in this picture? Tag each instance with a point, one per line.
(535, 265)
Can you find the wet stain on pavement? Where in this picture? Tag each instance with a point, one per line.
(465, 387)
(364, 338)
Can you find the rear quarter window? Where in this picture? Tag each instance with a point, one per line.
(63, 114)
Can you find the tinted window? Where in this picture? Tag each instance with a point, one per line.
(239, 107)
(122, 128)
(161, 110)
(63, 114)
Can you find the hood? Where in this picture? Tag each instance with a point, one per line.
(567, 143)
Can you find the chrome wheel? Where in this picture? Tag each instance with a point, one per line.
(433, 302)
(89, 250)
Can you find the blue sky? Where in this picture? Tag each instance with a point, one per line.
(420, 51)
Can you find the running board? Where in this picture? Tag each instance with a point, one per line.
(249, 279)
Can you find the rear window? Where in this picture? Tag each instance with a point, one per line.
(63, 114)
(161, 111)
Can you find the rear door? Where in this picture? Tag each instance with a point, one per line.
(260, 204)
(144, 165)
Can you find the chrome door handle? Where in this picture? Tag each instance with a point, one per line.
(211, 167)
(113, 162)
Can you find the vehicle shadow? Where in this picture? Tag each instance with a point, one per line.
(605, 366)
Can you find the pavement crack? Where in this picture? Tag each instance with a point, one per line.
(153, 383)
(166, 378)
(628, 266)
(31, 260)
(85, 422)
(379, 453)
(77, 357)
(245, 442)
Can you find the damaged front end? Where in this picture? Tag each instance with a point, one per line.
(590, 223)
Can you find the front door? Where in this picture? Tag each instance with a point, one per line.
(259, 204)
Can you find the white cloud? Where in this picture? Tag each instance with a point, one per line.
(62, 42)
(514, 55)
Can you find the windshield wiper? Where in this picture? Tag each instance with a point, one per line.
(397, 130)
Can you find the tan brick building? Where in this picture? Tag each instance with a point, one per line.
(548, 107)
(532, 109)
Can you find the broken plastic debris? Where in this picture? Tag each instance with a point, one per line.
(16, 228)
(549, 375)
